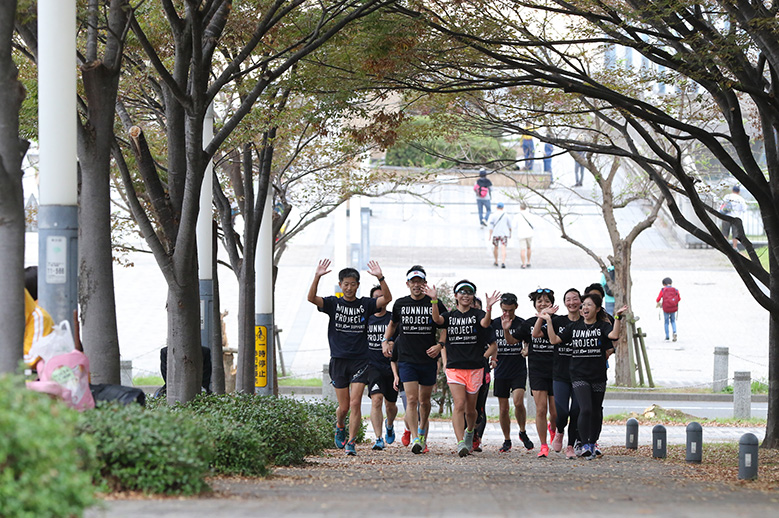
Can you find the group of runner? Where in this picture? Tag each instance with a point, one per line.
(564, 357)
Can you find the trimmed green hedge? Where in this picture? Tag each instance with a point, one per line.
(44, 464)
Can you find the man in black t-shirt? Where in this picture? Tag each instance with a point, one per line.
(418, 352)
(347, 334)
(381, 379)
(510, 375)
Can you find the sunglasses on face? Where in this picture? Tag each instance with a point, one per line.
(465, 292)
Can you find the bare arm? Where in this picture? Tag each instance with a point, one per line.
(321, 270)
(386, 345)
(505, 322)
(431, 292)
(375, 270)
(614, 335)
(490, 301)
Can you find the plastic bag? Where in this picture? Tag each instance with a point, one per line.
(71, 371)
(59, 341)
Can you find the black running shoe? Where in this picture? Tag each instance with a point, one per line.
(506, 446)
(526, 440)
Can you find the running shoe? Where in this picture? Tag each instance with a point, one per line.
(506, 446)
(476, 443)
(469, 439)
(557, 442)
(544, 452)
(569, 453)
(462, 449)
(674, 337)
(587, 451)
(526, 440)
(379, 444)
(417, 446)
(340, 437)
(405, 439)
(390, 432)
(577, 448)
(350, 448)
(425, 450)
(596, 451)
(552, 432)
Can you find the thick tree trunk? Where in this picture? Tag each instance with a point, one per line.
(245, 376)
(96, 277)
(624, 285)
(11, 202)
(185, 358)
(772, 425)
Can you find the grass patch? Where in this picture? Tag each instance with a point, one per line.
(719, 464)
(300, 382)
(148, 380)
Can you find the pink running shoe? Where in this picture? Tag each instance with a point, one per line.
(557, 442)
(544, 451)
(569, 453)
(406, 439)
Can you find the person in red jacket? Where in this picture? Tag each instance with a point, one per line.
(670, 298)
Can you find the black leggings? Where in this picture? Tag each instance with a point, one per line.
(567, 405)
(590, 397)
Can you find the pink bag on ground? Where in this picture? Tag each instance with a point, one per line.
(71, 371)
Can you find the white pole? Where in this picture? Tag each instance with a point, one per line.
(263, 331)
(58, 211)
(355, 231)
(205, 236)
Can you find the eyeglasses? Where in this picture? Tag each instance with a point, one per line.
(465, 292)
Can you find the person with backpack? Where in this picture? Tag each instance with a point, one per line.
(670, 298)
(483, 190)
(608, 293)
(734, 206)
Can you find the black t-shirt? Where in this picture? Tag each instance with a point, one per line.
(377, 326)
(348, 328)
(540, 357)
(511, 363)
(416, 329)
(589, 343)
(466, 340)
(562, 351)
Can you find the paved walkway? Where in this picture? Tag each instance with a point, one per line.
(396, 483)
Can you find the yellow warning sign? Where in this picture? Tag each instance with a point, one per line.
(261, 356)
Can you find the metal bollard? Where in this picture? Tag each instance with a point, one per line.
(742, 395)
(659, 442)
(747, 457)
(720, 369)
(631, 434)
(694, 442)
(328, 391)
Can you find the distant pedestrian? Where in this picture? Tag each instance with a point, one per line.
(528, 150)
(668, 299)
(607, 292)
(483, 190)
(735, 206)
(548, 150)
(500, 233)
(578, 171)
(524, 231)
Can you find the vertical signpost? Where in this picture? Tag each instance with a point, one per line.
(265, 370)
(58, 211)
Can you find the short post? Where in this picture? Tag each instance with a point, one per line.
(747, 457)
(631, 434)
(126, 372)
(720, 369)
(694, 442)
(328, 390)
(530, 403)
(742, 395)
(659, 442)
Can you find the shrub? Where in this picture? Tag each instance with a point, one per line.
(154, 451)
(44, 464)
(239, 449)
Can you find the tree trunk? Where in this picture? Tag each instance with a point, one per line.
(772, 424)
(624, 284)
(217, 347)
(11, 201)
(185, 358)
(245, 376)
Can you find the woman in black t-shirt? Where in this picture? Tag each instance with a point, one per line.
(564, 398)
(590, 339)
(465, 353)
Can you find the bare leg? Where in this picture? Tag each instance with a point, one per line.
(342, 395)
(519, 408)
(424, 405)
(552, 411)
(392, 412)
(495, 253)
(541, 398)
(412, 416)
(458, 410)
(503, 253)
(355, 407)
(523, 256)
(528, 254)
(376, 415)
(471, 414)
(505, 418)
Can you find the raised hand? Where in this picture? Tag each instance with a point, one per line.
(323, 268)
(431, 291)
(491, 299)
(505, 322)
(621, 311)
(550, 310)
(374, 269)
